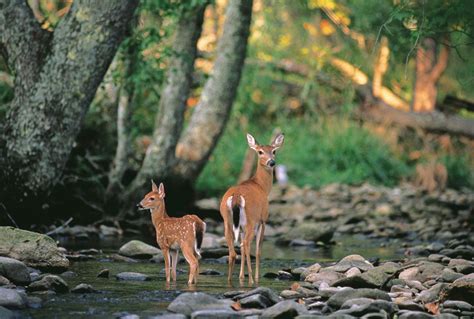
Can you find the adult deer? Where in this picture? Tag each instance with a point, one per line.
(244, 208)
(172, 234)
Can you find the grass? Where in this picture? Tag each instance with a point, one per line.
(315, 153)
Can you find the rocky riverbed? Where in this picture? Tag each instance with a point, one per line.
(340, 252)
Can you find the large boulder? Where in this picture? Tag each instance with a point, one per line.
(339, 298)
(10, 298)
(285, 309)
(35, 250)
(49, 282)
(138, 249)
(189, 302)
(315, 232)
(461, 289)
(15, 271)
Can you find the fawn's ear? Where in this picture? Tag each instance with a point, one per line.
(154, 188)
(278, 141)
(252, 142)
(161, 191)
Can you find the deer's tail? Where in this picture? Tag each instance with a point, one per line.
(236, 205)
(199, 231)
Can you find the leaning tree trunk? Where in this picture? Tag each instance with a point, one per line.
(210, 116)
(169, 119)
(429, 69)
(56, 77)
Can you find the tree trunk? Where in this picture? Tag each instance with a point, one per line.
(210, 116)
(124, 115)
(56, 77)
(169, 119)
(429, 69)
(381, 66)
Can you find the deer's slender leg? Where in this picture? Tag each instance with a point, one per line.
(242, 257)
(229, 236)
(174, 262)
(166, 256)
(258, 249)
(248, 237)
(188, 253)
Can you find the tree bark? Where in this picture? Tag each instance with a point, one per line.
(381, 66)
(169, 119)
(429, 69)
(56, 77)
(125, 108)
(210, 116)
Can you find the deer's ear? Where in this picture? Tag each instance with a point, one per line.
(154, 188)
(278, 141)
(252, 142)
(161, 191)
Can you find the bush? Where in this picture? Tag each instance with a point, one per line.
(460, 173)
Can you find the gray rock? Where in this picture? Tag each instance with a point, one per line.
(354, 271)
(83, 288)
(407, 314)
(255, 301)
(210, 272)
(327, 276)
(338, 299)
(311, 269)
(10, 298)
(431, 294)
(290, 294)
(285, 309)
(448, 275)
(461, 289)
(4, 281)
(169, 316)
(104, 273)
(322, 231)
(34, 302)
(132, 276)
(361, 306)
(49, 282)
(372, 278)
(6, 314)
(35, 250)
(15, 271)
(301, 243)
(270, 294)
(189, 302)
(457, 304)
(216, 313)
(410, 305)
(351, 261)
(138, 249)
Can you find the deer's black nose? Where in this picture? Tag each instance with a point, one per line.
(271, 163)
(139, 205)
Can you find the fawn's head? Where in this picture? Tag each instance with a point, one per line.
(266, 153)
(153, 199)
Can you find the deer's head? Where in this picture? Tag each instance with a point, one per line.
(266, 153)
(153, 199)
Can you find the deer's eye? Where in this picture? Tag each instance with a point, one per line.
(152, 198)
(260, 152)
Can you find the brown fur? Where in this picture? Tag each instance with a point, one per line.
(175, 233)
(255, 192)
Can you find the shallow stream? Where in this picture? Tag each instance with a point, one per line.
(150, 298)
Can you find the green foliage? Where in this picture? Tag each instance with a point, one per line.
(316, 153)
(460, 170)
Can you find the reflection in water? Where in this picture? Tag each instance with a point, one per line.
(150, 297)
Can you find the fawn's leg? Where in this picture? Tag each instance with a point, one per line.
(258, 249)
(193, 262)
(229, 236)
(248, 237)
(166, 256)
(174, 262)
